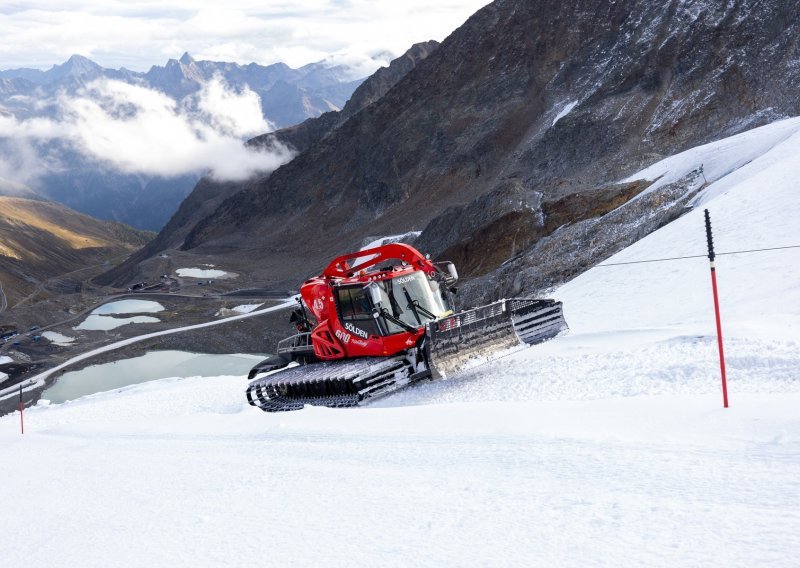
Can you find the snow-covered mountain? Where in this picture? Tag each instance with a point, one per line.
(605, 447)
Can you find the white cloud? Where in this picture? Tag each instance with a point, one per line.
(235, 114)
(140, 130)
(138, 34)
(20, 160)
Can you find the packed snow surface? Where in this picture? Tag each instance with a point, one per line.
(129, 307)
(5, 359)
(605, 447)
(200, 273)
(732, 161)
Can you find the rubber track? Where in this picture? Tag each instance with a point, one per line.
(334, 383)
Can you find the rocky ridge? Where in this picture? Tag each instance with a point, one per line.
(305, 134)
(524, 120)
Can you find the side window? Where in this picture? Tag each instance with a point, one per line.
(345, 303)
(353, 303)
(354, 306)
(361, 307)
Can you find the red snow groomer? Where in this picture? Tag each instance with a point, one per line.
(381, 319)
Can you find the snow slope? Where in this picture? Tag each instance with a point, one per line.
(181, 472)
(754, 202)
(605, 447)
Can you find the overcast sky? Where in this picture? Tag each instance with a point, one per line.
(138, 34)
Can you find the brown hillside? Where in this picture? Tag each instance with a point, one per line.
(40, 240)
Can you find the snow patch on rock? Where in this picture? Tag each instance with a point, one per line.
(242, 309)
(564, 111)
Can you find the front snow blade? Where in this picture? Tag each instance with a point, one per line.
(537, 320)
(473, 336)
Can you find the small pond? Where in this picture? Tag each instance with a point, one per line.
(152, 366)
(95, 322)
(129, 307)
(58, 338)
(200, 273)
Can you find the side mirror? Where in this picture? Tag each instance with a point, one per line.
(450, 269)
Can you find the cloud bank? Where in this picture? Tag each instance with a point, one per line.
(134, 129)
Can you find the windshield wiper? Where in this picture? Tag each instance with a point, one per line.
(415, 307)
(424, 311)
(387, 314)
(411, 305)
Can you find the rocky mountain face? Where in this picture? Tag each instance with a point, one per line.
(303, 135)
(288, 96)
(506, 146)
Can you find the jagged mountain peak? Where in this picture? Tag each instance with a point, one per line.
(75, 66)
(186, 59)
(77, 61)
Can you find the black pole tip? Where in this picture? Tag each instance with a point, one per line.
(709, 236)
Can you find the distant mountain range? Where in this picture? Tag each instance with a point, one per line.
(288, 96)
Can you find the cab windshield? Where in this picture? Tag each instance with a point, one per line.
(411, 299)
